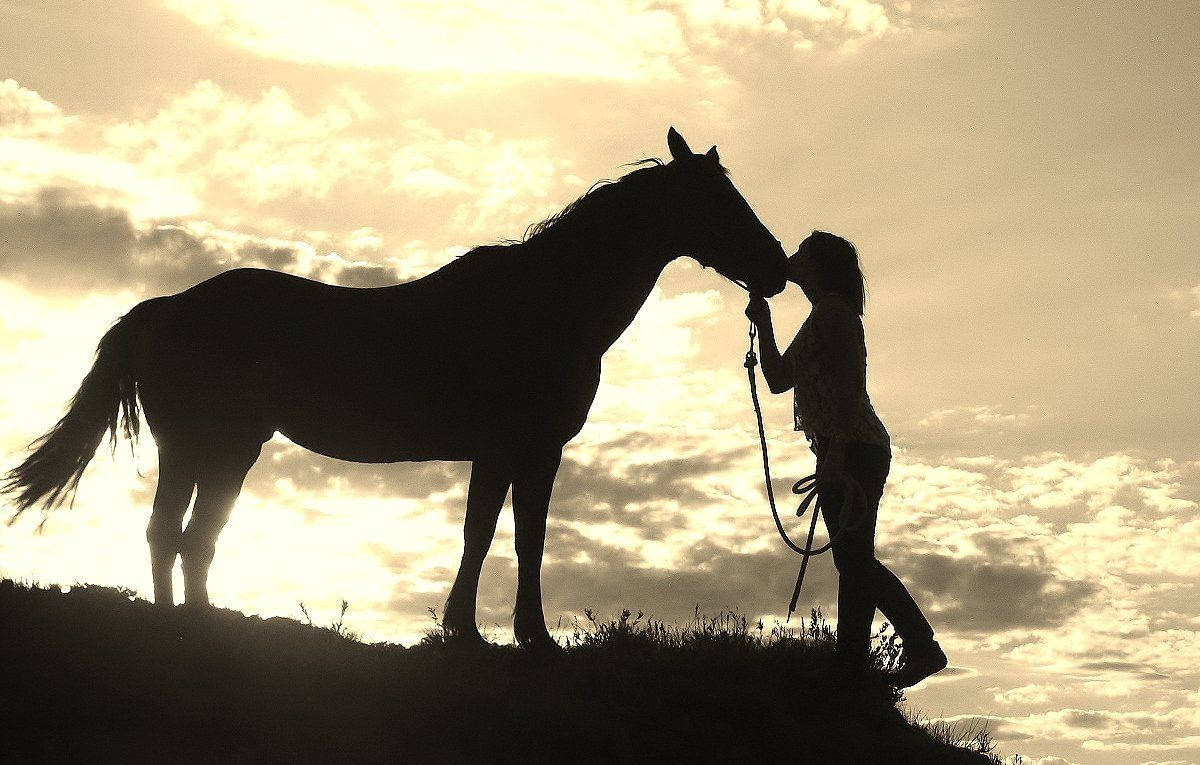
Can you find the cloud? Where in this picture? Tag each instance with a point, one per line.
(1055, 482)
(231, 155)
(29, 166)
(608, 579)
(1025, 694)
(415, 258)
(25, 114)
(612, 489)
(982, 596)
(655, 375)
(60, 243)
(1106, 729)
(38, 151)
(1089, 587)
(663, 337)
(48, 342)
(222, 145)
(842, 26)
(263, 150)
(504, 181)
(65, 245)
(850, 22)
(976, 419)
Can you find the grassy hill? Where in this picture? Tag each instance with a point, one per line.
(95, 671)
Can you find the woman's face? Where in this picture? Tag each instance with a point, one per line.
(800, 270)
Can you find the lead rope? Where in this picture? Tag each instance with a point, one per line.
(806, 487)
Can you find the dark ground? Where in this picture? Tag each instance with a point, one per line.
(96, 674)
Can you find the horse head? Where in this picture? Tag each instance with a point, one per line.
(708, 219)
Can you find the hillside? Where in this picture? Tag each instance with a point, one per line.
(96, 671)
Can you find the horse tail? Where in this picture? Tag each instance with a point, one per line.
(105, 403)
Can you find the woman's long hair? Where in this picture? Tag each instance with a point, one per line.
(836, 262)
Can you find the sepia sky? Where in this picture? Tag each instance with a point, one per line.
(1021, 179)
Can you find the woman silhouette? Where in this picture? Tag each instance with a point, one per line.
(826, 366)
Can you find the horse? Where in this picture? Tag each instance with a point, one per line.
(493, 358)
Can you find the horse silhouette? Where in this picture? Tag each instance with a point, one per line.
(493, 358)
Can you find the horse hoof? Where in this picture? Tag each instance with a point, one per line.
(463, 637)
(195, 609)
(541, 645)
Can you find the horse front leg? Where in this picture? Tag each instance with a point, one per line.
(485, 496)
(532, 485)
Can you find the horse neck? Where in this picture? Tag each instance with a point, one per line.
(603, 280)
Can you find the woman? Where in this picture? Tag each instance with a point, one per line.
(826, 365)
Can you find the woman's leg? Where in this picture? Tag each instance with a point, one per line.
(865, 583)
(853, 556)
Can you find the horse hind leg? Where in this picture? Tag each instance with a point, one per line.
(164, 533)
(218, 484)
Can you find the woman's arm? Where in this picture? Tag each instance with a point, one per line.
(776, 370)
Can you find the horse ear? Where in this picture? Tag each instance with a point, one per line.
(678, 146)
(712, 154)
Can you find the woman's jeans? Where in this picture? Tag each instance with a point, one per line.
(864, 583)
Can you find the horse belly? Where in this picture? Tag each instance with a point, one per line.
(361, 437)
(444, 417)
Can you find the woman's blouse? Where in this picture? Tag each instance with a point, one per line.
(828, 359)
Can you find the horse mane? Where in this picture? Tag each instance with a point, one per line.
(582, 205)
(586, 199)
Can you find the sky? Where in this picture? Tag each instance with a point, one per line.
(1021, 180)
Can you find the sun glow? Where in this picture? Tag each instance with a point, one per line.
(524, 37)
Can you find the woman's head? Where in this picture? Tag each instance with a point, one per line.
(828, 263)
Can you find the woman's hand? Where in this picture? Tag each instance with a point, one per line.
(758, 311)
(776, 371)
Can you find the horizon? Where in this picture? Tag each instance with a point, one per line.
(1020, 181)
